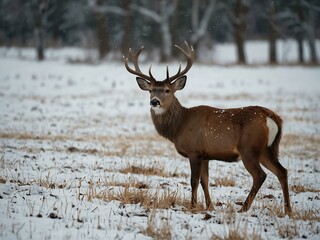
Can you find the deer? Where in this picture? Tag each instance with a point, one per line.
(204, 133)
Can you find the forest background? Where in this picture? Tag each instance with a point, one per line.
(113, 26)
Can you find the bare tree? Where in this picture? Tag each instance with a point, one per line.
(128, 26)
(273, 33)
(236, 12)
(199, 26)
(299, 34)
(101, 9)
(239, 23)
(309, 27)
(102, 36)
(299, 20)
(162, 17)
(39, 13)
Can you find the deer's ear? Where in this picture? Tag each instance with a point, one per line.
(180, 83)
(143, 84)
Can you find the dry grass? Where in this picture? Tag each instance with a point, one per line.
(224, 182)
(3, 180)
(155, 169)
(146, 198)
(134, 184)
(140, 193)
(157, 228)
(277, 211)
(297, 188)
(288, 231)
(86, 138)
(152, 169)
(235, 229)
(300, 146)
(145, 145)
(306, 215)
(46, 183)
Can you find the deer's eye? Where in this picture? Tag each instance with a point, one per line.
(149, 91)
(167, 91)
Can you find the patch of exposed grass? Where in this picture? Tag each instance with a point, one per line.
(143, 197)
(224, 182)
(157, 229)
(41, 182)
(154, 169)
(145, 170)
(146, 197)
(145, 145)
(306, 215)
(297, 188)
(300, 146)
(277, 210)
(138, 185)
(235, 229)
(3, 180)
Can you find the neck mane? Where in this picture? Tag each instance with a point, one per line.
(168, 124)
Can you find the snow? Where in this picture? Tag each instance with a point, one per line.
(68, 131)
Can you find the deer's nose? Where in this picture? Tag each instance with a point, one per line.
(154, 102)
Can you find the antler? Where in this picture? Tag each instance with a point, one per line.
(190, 54)
(137, 71)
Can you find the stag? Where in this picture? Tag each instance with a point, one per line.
(204, 133)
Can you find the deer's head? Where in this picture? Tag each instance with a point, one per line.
(161, 92)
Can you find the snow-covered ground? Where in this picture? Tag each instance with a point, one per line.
(80, 158)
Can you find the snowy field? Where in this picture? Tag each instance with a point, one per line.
(80, 158)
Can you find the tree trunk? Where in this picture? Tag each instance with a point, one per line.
(239, 31)
(39, 38)
(299, 35)
(103, 41)
(272, 35)
(39, 8)
(200, 24)
(300, 48)
(166, 49)
(174, 29)
(313, 53)
(310, 30)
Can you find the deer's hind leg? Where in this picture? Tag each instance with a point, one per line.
(250, 158)
(272, 163)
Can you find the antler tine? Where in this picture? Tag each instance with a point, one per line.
(137, 71)
(134, 58)
(190, 54)
(150, 72)
(188, 48)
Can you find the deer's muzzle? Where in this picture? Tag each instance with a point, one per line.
(155, 102)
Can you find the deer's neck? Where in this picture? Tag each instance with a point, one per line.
(168, 124)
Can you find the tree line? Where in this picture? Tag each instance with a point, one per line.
(116, 25)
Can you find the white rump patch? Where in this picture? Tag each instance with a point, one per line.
(158, 110)
(273, 130)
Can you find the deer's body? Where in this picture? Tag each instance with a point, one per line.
(212, 133)
(206, 133)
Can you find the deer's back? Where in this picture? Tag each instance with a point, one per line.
(218, 133)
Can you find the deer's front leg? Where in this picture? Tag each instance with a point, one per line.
(195, 164)
(205, 183)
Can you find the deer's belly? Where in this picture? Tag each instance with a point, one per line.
(231, 156)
